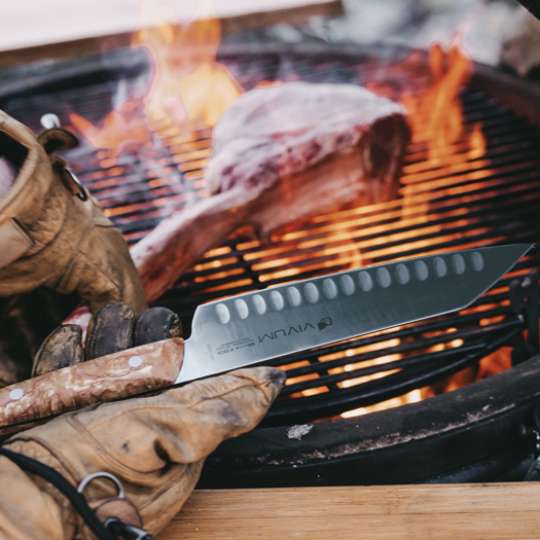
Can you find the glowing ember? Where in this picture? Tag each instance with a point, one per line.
(188, 88)
(410, 397)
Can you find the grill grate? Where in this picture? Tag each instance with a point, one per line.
(464, 201)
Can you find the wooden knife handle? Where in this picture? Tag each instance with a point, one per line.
(126, 373)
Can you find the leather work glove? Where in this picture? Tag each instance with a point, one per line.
(52, 232)
(52, 235)
(155, 446)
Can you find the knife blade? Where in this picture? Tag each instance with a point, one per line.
(250, 328)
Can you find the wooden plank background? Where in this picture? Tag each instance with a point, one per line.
(426, 512)
(30, 23)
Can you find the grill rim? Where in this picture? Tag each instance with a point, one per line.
(486, 419)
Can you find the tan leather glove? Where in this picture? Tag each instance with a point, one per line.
(155, 446)
(52, 235)
(52, 232)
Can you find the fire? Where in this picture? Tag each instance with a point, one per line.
(439, 132)
(436, 114)
(111, 132)
(188, 88)
(188, 84)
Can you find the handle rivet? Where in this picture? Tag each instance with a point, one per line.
(135, 361)
(16, 393)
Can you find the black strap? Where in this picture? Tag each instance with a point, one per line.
(61, 484)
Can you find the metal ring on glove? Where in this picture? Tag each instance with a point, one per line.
(102, 474)
(81, 191)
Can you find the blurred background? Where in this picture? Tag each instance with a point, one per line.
(492, 32)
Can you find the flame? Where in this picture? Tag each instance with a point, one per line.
(188, 84)
(121, 130)
(436, 118)
(188, 88)
(436, 115)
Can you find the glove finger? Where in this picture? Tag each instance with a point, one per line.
(182, 425)
(110, 330)
(205, 413)
(214, 410)
(61, 348)
(155, 324)
(156, 445)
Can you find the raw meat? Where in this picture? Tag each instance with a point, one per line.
(278, 131)
(281, 154)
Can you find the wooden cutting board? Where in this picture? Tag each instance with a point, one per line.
(426, 512)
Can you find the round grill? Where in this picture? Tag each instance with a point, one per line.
(465, 200)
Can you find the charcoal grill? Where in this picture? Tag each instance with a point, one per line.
(464, 201)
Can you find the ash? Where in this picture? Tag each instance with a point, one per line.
(299, 431)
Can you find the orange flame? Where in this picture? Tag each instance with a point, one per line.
(436, 115)
(188, 83)
(188, 87)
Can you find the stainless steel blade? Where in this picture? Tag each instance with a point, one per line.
(251, 328)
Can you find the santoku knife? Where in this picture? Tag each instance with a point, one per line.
(252, 328)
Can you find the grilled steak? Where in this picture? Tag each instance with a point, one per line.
(281, 154)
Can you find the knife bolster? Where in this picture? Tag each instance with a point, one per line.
(126, 373)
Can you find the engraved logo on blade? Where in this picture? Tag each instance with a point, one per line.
(325, 322)
(295, 329)
(277, 334)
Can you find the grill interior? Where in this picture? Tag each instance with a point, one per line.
(466, 200)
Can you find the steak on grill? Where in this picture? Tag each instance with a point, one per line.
(279, 131)
(282, 154)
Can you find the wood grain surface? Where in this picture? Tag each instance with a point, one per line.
(427, 512)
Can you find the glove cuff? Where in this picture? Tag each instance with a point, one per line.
(52, 477)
